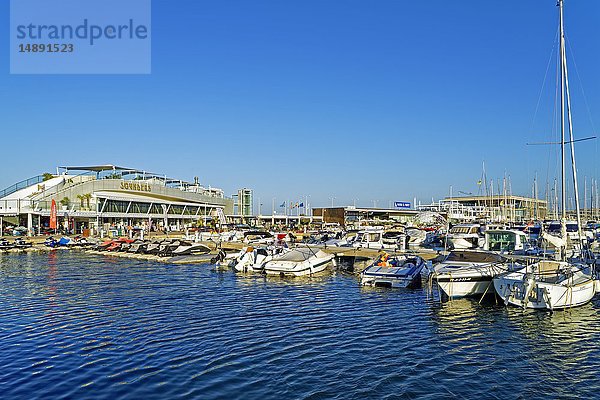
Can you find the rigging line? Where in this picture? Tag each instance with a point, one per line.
(566, 142)
(587, 106)
(585, 100)
(553, 155)
(537, 106)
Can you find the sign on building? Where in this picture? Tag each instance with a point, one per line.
(402, 204)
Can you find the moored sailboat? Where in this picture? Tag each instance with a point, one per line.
(550, 284)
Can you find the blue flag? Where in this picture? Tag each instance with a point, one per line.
(282, 204)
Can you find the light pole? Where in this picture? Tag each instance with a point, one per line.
(332, 199)
(354, 202)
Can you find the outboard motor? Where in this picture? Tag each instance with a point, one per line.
(219, 257)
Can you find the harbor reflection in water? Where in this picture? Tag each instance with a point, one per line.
(77, 326)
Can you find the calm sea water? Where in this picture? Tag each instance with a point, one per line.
(77, 326)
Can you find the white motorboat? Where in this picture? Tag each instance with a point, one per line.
(470, 273)
(368, 239)
(394, 240)
(394, 272)
(251, 259)
(574, 235)
(465, 236)
(298, 262)
(416, 237)
(547, 284)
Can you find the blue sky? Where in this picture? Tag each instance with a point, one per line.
(383, 101)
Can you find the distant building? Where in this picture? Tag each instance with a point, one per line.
(105, 196)
(355, 216)
(242, 207)
(245, 202)
(490, 208)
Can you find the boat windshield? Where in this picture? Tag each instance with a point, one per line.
(463, 229)
(474, 256)
(392, 235)
(555, 227)
(368, 237)
(572, 228)
(502, 241)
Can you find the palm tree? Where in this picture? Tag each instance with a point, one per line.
(87, 198)
(65, 201)
(47, 176)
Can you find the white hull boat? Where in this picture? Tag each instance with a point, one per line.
(547, 285)
(398, 272)
(298, 262)
(370, 239)
(465, 236)
(470, 273)
(462, 243)
(251, 259)
(416, 237)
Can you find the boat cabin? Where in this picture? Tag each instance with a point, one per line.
(465, 229)
(369, 239)
(504, 240)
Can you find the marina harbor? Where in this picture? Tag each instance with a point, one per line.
(300, 200)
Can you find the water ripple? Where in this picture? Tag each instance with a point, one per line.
(76, 326)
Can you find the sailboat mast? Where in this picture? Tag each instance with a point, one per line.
(585, 209)
(535, 195)
(562, 115)
(571, 138)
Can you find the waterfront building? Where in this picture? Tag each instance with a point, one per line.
(355, 216)
(503, 208)
(107, 198)
(243, 203)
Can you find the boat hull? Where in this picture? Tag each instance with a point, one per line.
(461, 243)
(465, 286)
(517, 290)
(400, 274)
(470, 273)
(291, 268)
(250, 263)
(390, 281)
